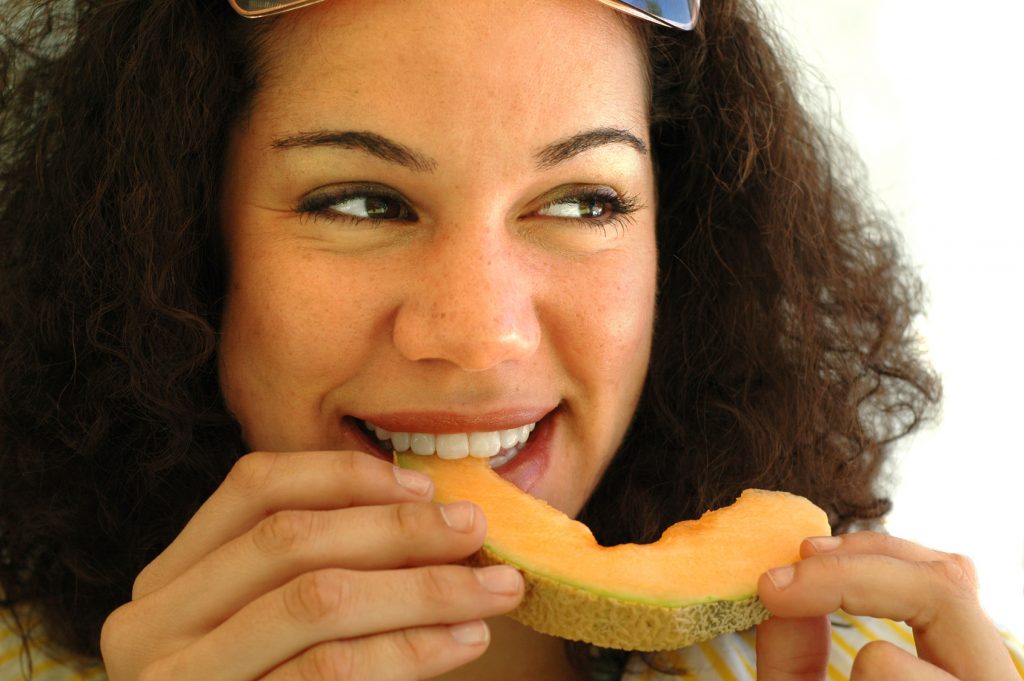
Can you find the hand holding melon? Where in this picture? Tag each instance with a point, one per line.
(877, 575)
(307, 562)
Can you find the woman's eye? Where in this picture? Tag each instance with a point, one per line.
(593, 206)
(357, 205)
(579, 208)
(371, 208)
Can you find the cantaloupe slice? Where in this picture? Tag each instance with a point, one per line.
(698, 581)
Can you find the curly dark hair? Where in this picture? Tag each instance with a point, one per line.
(783, 355)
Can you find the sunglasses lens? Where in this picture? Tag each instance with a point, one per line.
(680, 13)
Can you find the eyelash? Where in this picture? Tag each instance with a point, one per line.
(622, 206)
(319, 206)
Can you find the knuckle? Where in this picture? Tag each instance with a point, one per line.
(436, 587)
(409, 521)
(327, 662)
(317, 596)
(412, 646)
(283, 532)
(956, 576)
(144, 582)
(831, 563)
(250, 473)
(948, 589)
(967, 568)
(115, 628)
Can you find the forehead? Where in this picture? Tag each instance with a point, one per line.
(519, 72)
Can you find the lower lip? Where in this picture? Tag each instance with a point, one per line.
(523, 471)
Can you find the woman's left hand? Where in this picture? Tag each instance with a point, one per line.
(877, 575)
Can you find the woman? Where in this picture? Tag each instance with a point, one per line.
(245, 259)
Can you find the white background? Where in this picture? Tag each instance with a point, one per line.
(930, 92)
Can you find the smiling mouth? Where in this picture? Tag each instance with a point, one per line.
(499, 447)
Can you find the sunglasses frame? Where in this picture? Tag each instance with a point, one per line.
(631, 10)
(289, 5)
(279, 8)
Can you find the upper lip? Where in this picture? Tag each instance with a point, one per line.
(454, 422)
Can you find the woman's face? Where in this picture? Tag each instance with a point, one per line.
(439, 219)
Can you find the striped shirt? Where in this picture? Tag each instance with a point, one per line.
(16, 660)
(731, 657)
(726, 658)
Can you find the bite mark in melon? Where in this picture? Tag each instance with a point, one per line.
(699, 580)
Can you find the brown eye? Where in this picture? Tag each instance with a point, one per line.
(371, 208)
(356, 203)
(578, 208)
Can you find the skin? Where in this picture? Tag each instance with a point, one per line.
(488, 305)
(314, 560)
(878, 575)
(482, 306)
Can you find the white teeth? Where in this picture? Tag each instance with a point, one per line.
(400, 441)
(452, 445)
(500, 446)
(509, 437)
(422, 443)
(484, 444)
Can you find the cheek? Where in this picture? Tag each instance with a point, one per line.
(292, 329)
(612, 329)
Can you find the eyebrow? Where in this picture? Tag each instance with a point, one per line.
(562, 150)
(370, 142)
(394, 152)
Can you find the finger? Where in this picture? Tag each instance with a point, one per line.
(290, 543)
(936, 598)
(793, 649)
(895, 547)
(335, 604)
(262, 483)
(883, 661)
(421, 653)
(873, 543)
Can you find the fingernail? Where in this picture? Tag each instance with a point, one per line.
(470, 633)
(782, 577)
(459, 515)
(413, 481)
(825, 544)
(500, 579)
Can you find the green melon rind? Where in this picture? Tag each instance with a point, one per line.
(565, 611)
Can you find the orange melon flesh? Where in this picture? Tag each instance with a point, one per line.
(697, 581)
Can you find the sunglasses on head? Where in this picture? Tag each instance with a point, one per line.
(676, 13)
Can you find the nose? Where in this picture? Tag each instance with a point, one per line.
(469, 303)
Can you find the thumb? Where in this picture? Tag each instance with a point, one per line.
(793, 648)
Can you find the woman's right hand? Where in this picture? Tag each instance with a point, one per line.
(320, 565)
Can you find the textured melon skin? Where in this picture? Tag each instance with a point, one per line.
(568, 612)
